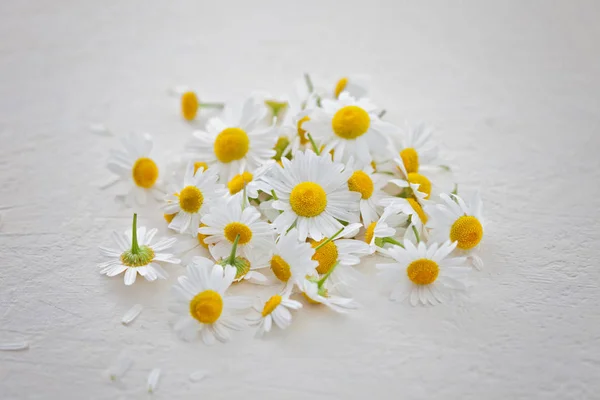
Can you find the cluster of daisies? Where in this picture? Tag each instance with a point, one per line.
(287, 195)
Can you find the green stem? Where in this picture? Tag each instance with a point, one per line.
(324, 278)
(274, 195)
(314, 145)
(329, 239)
(416, 234)
(135, 248)
(391, 240)
(309, 83)
(382, 113)
(211, 105)
(234, 249)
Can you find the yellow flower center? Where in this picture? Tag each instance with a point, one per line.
(326, 256)
(201, 238)
(423, 271)
(271, 304)
(340, 86)
(200, 164)
(423, 181)
(410, 159)
(189, 105)
(169, 217)
(308, 199)
(231, 144)
(301, 132)
(144, 172)
(144, 256)
(191, 199)
(418, 209)
(350, 122)
(362, 183)
(233, 229)
(280, 268)
(467, 231)
(206, 306)
(370, 232)
(237, 183)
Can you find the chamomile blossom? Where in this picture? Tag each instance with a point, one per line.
(191, 201)
(417, 150)
(275, 310)
(136, 168)
(249, 183)
(381, 233)
(248, 267)
(370, 186)
(236, 141)
(292, 260)
(231, 219)
(423, 274)
(136, 255)
(190, 103)
(202, 306)
(460, 222)
(356, 86)
(413, 206)
(349, 127)
(316, 292)
(312, 191)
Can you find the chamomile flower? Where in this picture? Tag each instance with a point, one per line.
(190, 103)
(417, 151)
(349, 127)
(412, 206)
(136, 168)
(312, 191)
(370, 186)
(381, 233)
(317, 293)
(292, 260)
(192, 200)
(423, 274)
(248, 267)
(136, 255)
(356, 86)
(275, 310)
(251, 182)
(202, 306)
(235, 142)
(229, 220)
(457, 221)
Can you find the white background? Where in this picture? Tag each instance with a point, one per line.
(513, 88)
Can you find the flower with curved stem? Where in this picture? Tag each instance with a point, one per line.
(370, 186)
(136, 168)
(248, 266)
(190, 103)
(236, 141)
(351, 128)
(381, 233)
(275, 310)
(316, 292)
(192, 200)
(423, 274)
(413, 206)
(292, 260)
(312, 193)
(202, 306)
(136, 255)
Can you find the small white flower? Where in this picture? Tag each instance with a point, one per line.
(423, 274)
(370, 186)
(136, 255)
(201, 305)
(416, 149)
(413, 206)
(190, 103)
(136, 168)
(276, 309)
(292, 260)
(249, 183)
(320, 295)
(356, 86)
(381, 233)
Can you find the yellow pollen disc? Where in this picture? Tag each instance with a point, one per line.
(189, 105)
(308, 199)
(301, 132)
(206, 306)
(144, 172)
(467, 231)
(370, 232)
(169, 217)
(340, 86)
(423, 181)
(418, 209)
(200, 164)
(280, 268)
(271, 304)
(350, 122)
(237, 183)
(231, 144)
(191, 199)
(410, 158)
(326, 256)
(423, 271)
(362, 183)
(201, 238)
(233, 229)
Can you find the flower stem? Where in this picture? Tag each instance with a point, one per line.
(329, 239)
(234, 249)
(382, 113)
(274, 195)
(135, 248)
(309, 83)
(314, 145)
(212, 105)
(391, 240)
(324, 278)
(416, 234)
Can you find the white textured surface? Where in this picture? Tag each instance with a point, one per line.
(514, 88)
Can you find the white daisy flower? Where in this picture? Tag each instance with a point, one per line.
(356, 86)
(136, 255)
(412, 206)
(292, 260)
(381, 233)
(192, 200)
(424, 274)
(312, 191)
(201, 304)
(276, 309)
(248, 267)
(229, 220)
(190, 103)
(349, 127)
(370, 186)
(457, 221)
(417, 151)
(136, 168)
(251, 182)
(235, 142)
(317, 293)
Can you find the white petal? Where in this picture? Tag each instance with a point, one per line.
(132, 314)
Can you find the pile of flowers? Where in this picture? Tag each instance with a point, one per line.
(289, 195)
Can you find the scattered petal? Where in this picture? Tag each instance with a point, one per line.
(14, 346)
(153, 378)
(132, 314)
